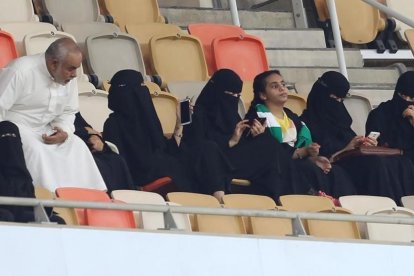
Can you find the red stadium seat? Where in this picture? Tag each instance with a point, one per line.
(8, 49)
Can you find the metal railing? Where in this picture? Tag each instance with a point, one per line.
(168, 210)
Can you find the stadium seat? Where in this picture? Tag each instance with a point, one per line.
(259, 225)
(150, 220)
(131, 12)
(177, 57)
(20, 29)
(408, 202)
(247, 94)
(227, 51)
(334, 229)
(358, 107)
(94, 108)
(8, 50)
(305, 203)
(296, 103)
(144, 32)
(110, 218)
(166, 107)
(405, 8)
(74, 11)
(17, 11)
(125, 53)
(409, 35)
(391, 232)
(82, 194)
(208, 223)
(361, 204)
(186, 89)
(207, 32)
(181, 220)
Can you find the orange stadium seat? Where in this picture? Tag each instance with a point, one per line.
(126, 12)
(296, 103)
(8, 50)
(178, 57)
(82, 194)
(228, 50)
(144, 32)
(110, 218)
(409, 34)
(207, 32)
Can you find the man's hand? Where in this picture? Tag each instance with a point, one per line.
(58, 137)
(95, 143)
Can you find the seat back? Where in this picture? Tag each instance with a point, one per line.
(358, 27)
(296, 103)
(125, 53)
(94, 108)
(391, 232)
(247, 94)
(110, 218)
(82, 194)
(74, 11)
(207, 32)
(20, 29)
(17, 11)
(166, 107)
(186, 89)
(259, 225)
(8, 50)
(132, 11)
(405, 8)
(361, 204)
(409, 35)
(146, 220)
(144, 32)
(177, 57)
(181, 220)
(359, 108)
(305, 203)
(208, 223)
(408, 202)
(334, 229)
(227, 51)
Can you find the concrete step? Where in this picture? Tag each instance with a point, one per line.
(290, 38)
(361, 78)
(248, 19)
(311, 58)
(375, 96)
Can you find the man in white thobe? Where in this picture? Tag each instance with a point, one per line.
(39, 94)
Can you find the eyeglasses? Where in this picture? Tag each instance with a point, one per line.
(406, 98)
(236, 95)
(336, 98)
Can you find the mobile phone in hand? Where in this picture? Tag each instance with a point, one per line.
(374, 135)
(185, 112)
(261, 121)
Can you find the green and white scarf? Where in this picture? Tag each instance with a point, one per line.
(303, 138)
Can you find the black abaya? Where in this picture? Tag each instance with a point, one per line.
(112, 166)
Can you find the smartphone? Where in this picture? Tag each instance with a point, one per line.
(374, 135)
(261, 121)
(185, 112)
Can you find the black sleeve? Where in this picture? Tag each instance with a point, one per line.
(80, 125)
(111, 134)
(376, 123)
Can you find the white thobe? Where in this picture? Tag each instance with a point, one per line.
(35, 103)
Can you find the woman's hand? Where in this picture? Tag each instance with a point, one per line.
(409, 113)
(313, 149)
(322, 162)
(257, 128)
(355, 142)
(238, 131)
(370, 142)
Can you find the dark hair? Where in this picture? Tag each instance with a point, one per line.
(259, 86)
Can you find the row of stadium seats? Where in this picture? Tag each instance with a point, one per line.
(358, 205)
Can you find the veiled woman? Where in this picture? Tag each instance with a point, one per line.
(330, 124)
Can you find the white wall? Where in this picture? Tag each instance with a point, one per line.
(31, 250)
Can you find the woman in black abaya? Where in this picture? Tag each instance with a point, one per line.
(330, 124)
(15, 179)
(136, 130)
(394, 120)
(112, 166)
